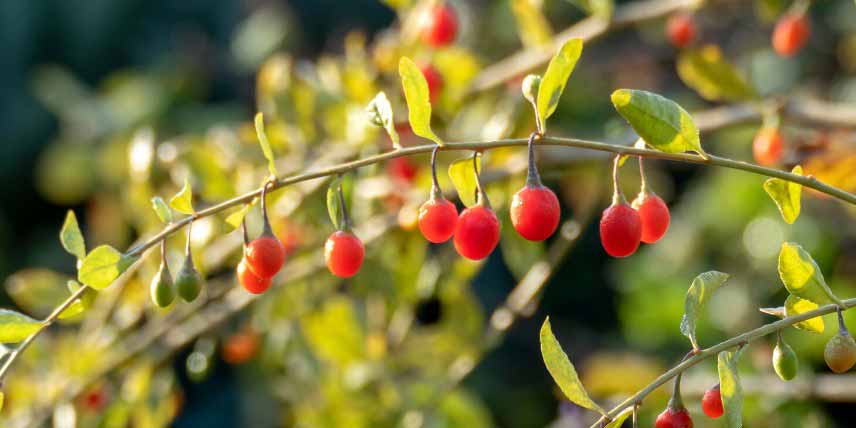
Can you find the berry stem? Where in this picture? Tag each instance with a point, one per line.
(343, 207)
(842, 327)
(636, 415)
(246, 237)
(533, 179)
(643, 187)
(481, 197)
(268, 231)
(187, 242)
(617, 196)
(436, 193)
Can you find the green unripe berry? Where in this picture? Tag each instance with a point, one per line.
(840, 352)
(784, 360)
(162, 287)
(188, 282)
(529, 87)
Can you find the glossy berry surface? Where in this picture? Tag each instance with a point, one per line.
(620, 230)
(674, 419)
(265, 256)
(681, 30)
(785, 361)
(434, 80)
(535, 212)
(437, 220)
(477, 232)
(440, 26)
(250, 281)
(654, 214)
(840, 352)
(767, 147)
(790, 35)
(711, 402)
(344, 253)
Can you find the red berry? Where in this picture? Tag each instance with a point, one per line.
(402, 170)
(265, 256)
(437, 220)
(535, 212)
(344, 253)
(711, 402)
(440, 26)
(250, 281)
(681, 29)
(654, 214)
(768, 147)
(95, 398)
(477, 232)
(435, 81)
(672, 418)
(620, 230)
(790, 34)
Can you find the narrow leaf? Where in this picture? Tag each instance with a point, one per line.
(102, 266)
(556, 77)
(662, 123)
(778, 311)
(418, 102)
(795, 306)
(700, 291)
(464, 179)
(183, 200)
(333, 207)
(161, 209)
(15, 326)
(619, 420)
(786, 195)
(801, 275)
(380, 113)
(563, 371)
(235, 218)
(263, 141)
(712, 76)
(71, 238)
(730, 388)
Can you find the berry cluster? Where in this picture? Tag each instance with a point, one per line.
(187, 284)
(263, 256)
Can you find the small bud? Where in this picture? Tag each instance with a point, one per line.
(529, 87)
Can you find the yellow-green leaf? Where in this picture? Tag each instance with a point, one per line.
(418, 100)
(533, 27)
(556, 77)
(563, 371)
(801, 275)
(730, 388)
(712, 76)
(161, 209)
(71, 238)
(380, 113)
(464, 179)
(795, 306)
(263, 141)
(102, 266)
(15, 326)
(619, 420)
(701, 289)
(662, 123)
(183, 200)
(786, 195)
(235, 218)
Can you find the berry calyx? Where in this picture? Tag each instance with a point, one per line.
(535, 212)
(344, 253)
(437, 220)
(440, 26)
(250, 281)
(840, 352)
(265, 255)
(654, 215)
(674, 418)
(767, 147)
(681, 29)
(784, 360)
(711, 402)
(434, 80)
(477, 232)
(790, 34)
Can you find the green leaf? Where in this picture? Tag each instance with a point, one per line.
(418, 102)
(662, 123)
(702, 288)
(235, 218)
(463, 178)
(533, 27)
(554, 80)
(102, 266)
(795, 306)
(380, 113)
(15, 326)
(786, 195)
(161, 209)
(263, 141)
(71, 238)
(183, 200)
(801, 275)
(730, 388)
(712, 76)
(333, 207)
(563, 371)
(600, 8)
(619, 420)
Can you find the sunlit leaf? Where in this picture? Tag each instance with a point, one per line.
(730, 388)
(712, 76)
(619, 420)
(161, 209)
(183, 200)
(662, 123)
(801, 275)
(533, 27)
(102, 266)
(380, 113)
(786, 195)
(464, 179)
(556, 77)
(263, 142)
(599, 8)
(702, 288)
(418, 102)
(235, 218)
(71, 238)
(15, 326)
(563, 371)
(795, 306)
